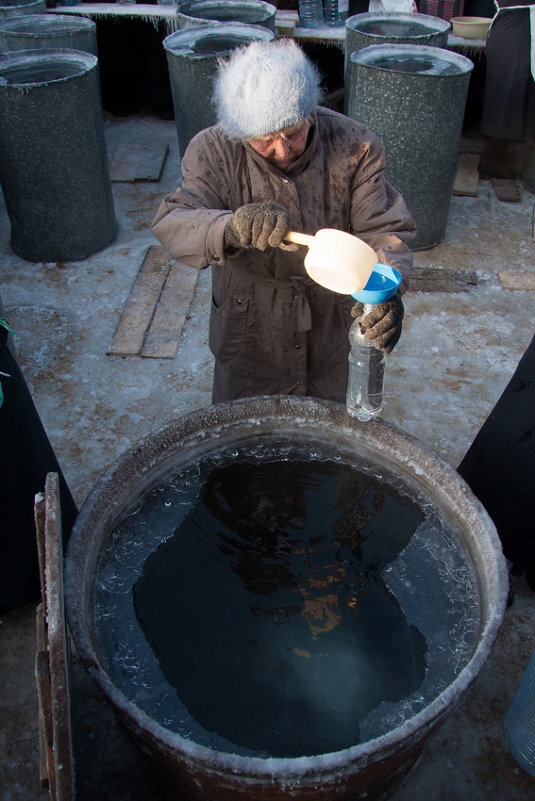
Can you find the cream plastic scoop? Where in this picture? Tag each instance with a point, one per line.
(337, 260)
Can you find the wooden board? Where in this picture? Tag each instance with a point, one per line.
(520, 281)
(137, 315)
(169, 316)
(506, 190)
(467, 176)
(427, 279)
(51, 662)
(138, 162)
(155, 312)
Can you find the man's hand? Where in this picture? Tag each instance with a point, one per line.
(383, 323)
(257, 225)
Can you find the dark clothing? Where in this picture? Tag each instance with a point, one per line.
(272, 329)
(27, 457)
(445, 9)
(500, 466)
(509, 97)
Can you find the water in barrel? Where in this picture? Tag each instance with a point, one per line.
(402, 28)
(416, 64)
(281, 600)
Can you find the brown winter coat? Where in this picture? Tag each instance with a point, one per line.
(272, 329)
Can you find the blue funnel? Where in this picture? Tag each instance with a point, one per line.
(382, 284)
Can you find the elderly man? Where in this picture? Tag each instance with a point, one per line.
(276, 161)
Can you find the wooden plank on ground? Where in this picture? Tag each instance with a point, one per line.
(134, 161)
(129, 337)
(521, 281)
(165, 329)
(428, 279)
(506, 190)
(467, 176)
(52, 655)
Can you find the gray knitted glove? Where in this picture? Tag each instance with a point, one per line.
(257, 225)
(383, 323)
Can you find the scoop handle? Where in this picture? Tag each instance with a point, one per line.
(299, 239)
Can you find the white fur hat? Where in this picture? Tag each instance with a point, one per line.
(265, 87)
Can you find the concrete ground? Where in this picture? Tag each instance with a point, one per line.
(469, 319)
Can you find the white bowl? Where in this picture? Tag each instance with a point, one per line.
(471, 27)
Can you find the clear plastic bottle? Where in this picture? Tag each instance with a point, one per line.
(367, 367)
(335, 12)
(310, 13)
(520, 720)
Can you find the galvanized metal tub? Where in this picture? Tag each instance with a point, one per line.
(371, 769)
(364, 30)
(53, 164)
(192, 57)
(48, 31)
(192, 13)
(17, 7)
(418, 114)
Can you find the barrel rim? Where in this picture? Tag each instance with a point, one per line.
(310, 413)
(362, 57)
(25, 5)
(269, 9)
(44, 21)
(18, 58)
(192, 35)
(435, 25)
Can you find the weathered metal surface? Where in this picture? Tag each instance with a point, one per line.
(416, 29)
(17, 7)
(418, 115)
(53, 164)
(192, 13)
(370, 770)
(192, 56)
(48, 31)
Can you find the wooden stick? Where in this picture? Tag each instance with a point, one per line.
(299, 239)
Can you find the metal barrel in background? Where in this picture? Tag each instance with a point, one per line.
(192, 13)
(413, 97)
(192, 57)
(53, 164)
(365, 30)
(14, 8)
(48, 31)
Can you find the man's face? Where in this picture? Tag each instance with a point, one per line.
(284, 147)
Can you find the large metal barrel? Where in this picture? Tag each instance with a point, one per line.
(192, 57)
(48, 31)
(192, 13)
(413, 97)
(53, 163)
(13, 8)
(364, 30)
(279, 427)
